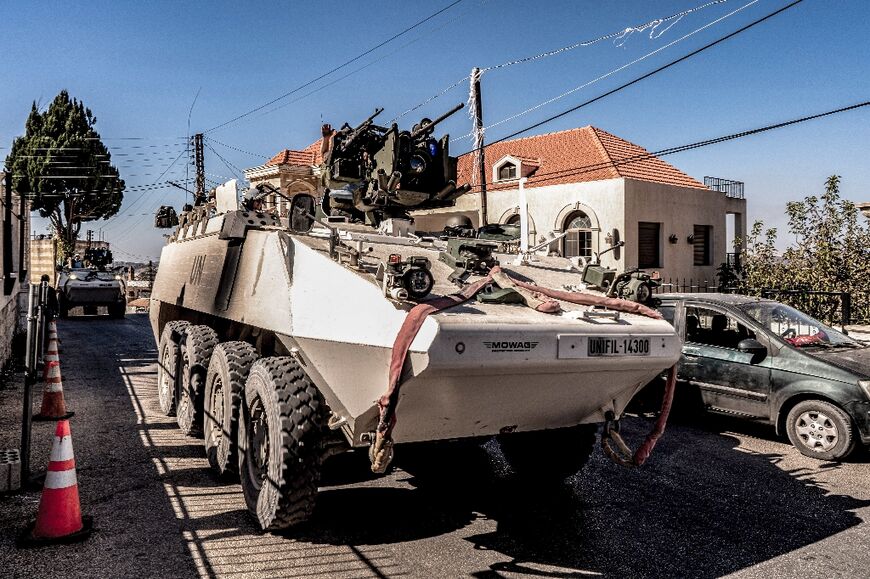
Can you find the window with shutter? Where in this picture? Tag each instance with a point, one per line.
(648, 244)
(701, 243)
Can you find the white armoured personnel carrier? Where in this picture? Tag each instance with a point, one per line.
(87, 284)
(287, 340)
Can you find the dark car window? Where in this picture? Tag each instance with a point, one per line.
(706, 326)
(794, 326)
(668, 311)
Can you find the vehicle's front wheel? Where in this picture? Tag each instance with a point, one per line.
(199, 342)
(549, 456)
(169, 365)
(62, 306)
(819, 429)
(281, 430)
(117, 310)
(227, 371)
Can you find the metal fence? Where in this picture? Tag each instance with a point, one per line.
(834, 308)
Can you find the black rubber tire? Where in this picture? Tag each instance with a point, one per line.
(833, 419)
(117, 311)
(62, 306)
(169, 365)
(199, 342)
(227, 371)
(549, 456)
(286, 409)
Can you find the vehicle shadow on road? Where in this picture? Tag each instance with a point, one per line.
(701, 507)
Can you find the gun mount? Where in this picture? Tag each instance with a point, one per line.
(467, 257)
(634, 285)
(377, 173)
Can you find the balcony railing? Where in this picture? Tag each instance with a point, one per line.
(732, 189)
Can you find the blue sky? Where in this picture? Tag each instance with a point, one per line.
(139, 66)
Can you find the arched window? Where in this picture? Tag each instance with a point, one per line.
(513, 220)
(578, 242)
(507, 171)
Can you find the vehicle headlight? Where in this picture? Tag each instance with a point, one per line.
(117, 277)
(865, 386)
(73, 276)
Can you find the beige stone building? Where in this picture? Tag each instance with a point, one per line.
(587, 182)
(600, 189)
(14, 234)
(290, 172)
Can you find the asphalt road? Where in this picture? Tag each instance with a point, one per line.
(716, 498)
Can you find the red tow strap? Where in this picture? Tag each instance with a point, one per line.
(623, 455)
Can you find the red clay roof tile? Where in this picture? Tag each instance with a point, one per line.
(577, 156)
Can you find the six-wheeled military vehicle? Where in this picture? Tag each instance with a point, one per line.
(284, 340)
(89, 284)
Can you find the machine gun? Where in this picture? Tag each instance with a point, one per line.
(633, 284)
(468, 256)
(384, 173)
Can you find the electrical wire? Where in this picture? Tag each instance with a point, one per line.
(579, 170)
(335, 69)
(649, 74)
(237, 149)
(612, 72)
(623, 34)
(233, 169)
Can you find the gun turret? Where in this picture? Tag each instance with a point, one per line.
(383, 173)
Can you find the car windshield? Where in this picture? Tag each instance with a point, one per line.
(796, 327)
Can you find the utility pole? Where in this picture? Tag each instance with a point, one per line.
(479, 157)
(199, 198)
(90, 238)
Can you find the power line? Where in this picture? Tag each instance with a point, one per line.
(649, 74)
(339, 67)
(614, 71)
(369, 64)
(623, 34)
(562, 173)
(237, 149)
(233, 169)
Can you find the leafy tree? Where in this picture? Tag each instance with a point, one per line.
(62, 165)
(831, 251)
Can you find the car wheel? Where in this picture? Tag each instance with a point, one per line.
(819, 429)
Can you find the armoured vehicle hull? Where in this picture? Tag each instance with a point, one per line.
(90, 289)
(476, 370)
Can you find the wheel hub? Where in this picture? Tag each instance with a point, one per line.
(817, 431)
(217, 406)
(259, 440)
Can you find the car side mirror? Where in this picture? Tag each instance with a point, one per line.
(754, 347)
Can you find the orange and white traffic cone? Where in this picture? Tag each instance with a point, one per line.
(51, 351)
(59, 519)
(53, 406)
(52, 337)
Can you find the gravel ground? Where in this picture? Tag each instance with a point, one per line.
(717, 498)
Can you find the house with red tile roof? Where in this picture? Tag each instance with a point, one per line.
(599, 189)
(290, 172)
